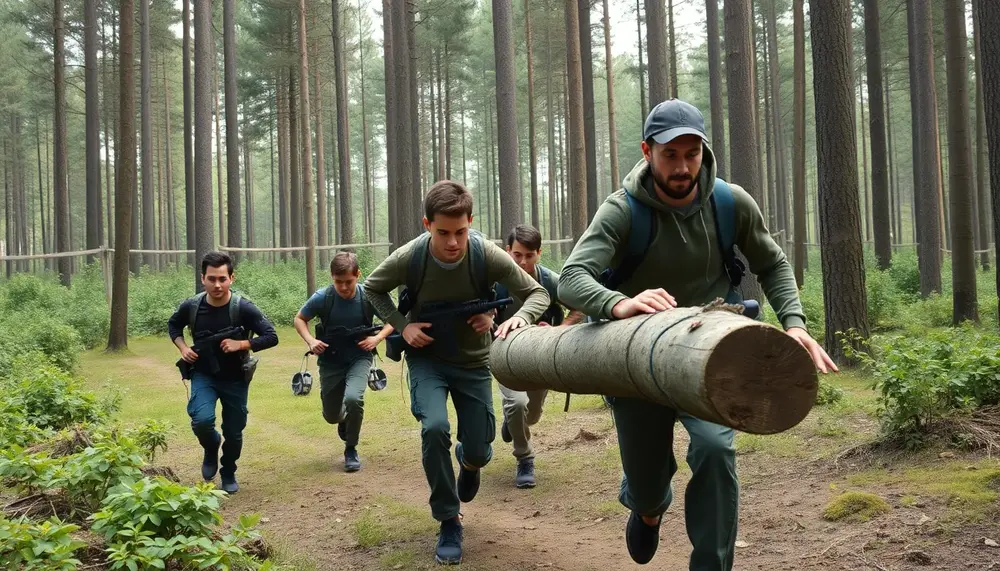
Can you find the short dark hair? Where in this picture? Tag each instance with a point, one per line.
(214, 260)
(449, 198)
(344, 263)
(527, 235)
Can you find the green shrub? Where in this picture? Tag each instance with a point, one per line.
(47, 545)
(905, 273)
(150, 437)
(47, 396)
(828, 393)
(153, 297)
(36, 330)
(159, 506)
(87, 475)
(884, 298)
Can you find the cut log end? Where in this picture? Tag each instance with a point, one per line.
(760, 380)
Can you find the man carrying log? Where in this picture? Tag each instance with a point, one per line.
(665, 240)
(451, 265)
(522, 409)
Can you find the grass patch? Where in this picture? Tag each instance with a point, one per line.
(609, 509)
(405, 559)
(855, 506)
(389, 520)
(782, 445)
(971, 495)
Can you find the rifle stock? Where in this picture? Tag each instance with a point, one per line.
(440, 315)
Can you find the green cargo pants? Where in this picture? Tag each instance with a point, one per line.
(342, 392)
(522, 409)
(711, 501)
(472, 394)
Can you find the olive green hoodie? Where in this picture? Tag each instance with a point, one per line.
(684, 257)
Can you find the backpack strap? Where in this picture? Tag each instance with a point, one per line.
(724, 206)
(193, 304)
(640, 236)
(418, 262)
(477, 265)
(328, 301)
(234, 310)
(366, 315)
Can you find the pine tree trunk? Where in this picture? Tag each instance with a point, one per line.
(365, 142)
(656, 44)
(345, 223)
(414, 193)
(146, 123)
(189, 194)
(672, 49)
(770, 191)
(204, 56)
(864, 165)
(715, 89)
(881, 222)
(643, 108)
(235, 236)
(391, 123)
(589, 129)
(248, 176)
(578, 167)
(989, 49)
(897, 228)
(550, 127)
(322, 225)
(743, 140)
(171, 200)
(780, 189)
(926, 169)
(59, 143)
(511, 201)
(125, 173)
(284, 198)
(407, 170)
(845, 301)
(307, 210)
(532, 147)
(274, 203)
(442, 158)
(962, 191)
(982, 176)
(46, 247)
(447, 112)
(612, 127)
(95, 224)
(106, 113)
(294, 170)
(220, 188)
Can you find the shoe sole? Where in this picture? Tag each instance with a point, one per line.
(448, 561)
(523, 486)
(351, 468)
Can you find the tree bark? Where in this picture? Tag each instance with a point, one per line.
(365, 142)
(715, 89)
(656, 43)
(743, 141)
(323, 224)
(612, 127)
(218, 155)
(346, 211)
(125, 172)
(799, 142)
(146, 123)
(672, 48)
(414, 193)
(550, 152)
(643, 108)
(235, 237)
(962, 191)
(578, 167)
(845, 300)
(511, 201)
(189, 194)
(926, 166)
(989, 46)
(880, 172)
(532, 147)
(171, 201)
(589, 128)
(307, 211)
(982, 175)
(294, 170)
(284, 199)
(106, 114)
(95, 224)
(204, 50)
(407, 169)
(391, 122)
(780, 189)
(60, 168)
(867, 219)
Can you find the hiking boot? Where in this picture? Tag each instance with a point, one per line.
(342, 430)
(505, 431)
(351, 461)
(449, 545)
(525, 475)
(229, 484)
(468, 480)
(210, 462)
(641, 539)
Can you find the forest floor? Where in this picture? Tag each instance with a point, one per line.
(945, 503)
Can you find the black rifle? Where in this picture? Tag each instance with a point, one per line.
(206, 345)
(441, 316)
(340, 337)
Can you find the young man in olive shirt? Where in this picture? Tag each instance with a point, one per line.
(451, 256)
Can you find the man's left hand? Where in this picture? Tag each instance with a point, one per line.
(234, 345)
(823, 361)
(510, 325)
(481, 322)
(368, 343)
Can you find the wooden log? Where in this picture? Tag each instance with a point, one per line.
(711, 362)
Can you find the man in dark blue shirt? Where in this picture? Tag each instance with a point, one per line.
(219, 375)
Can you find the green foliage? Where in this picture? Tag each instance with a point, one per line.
(28, 472)
(150, 437)
(925, 379)
(46, 396)
(47, 545)
(905, 273)
(160, 507)
(153, 297)
(884, 298)
(87, 475)
(855, 506)
(829, 393)
(35, 330)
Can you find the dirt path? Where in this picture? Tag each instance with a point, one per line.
(378, 518)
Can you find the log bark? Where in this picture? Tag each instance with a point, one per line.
(707, 361)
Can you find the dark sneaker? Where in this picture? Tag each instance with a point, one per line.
(229, 484)
(641, 539)
(505, 432)
(468, 480)
(210, 463)
(525, 475)
(342, 430)
(351, 461)
(449, 545)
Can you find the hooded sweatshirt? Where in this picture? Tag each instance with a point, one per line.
(684, 257)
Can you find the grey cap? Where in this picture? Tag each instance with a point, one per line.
(671, 119)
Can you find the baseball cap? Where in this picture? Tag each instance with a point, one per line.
(671, 119)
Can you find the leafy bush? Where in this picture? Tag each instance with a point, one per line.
(905, 273)
(925, 379)
(48, 397)
(159, 506)
(48, 545)
(87, 475)
(883, 298)
(150, 437)
(828, 393)
(38, 331)
(153, 298)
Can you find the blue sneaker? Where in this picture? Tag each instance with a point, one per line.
(210, 462)
(351, 461)
(449, 545)
(641, 539)
(229, 483)
(525, 475)
(468, 480)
